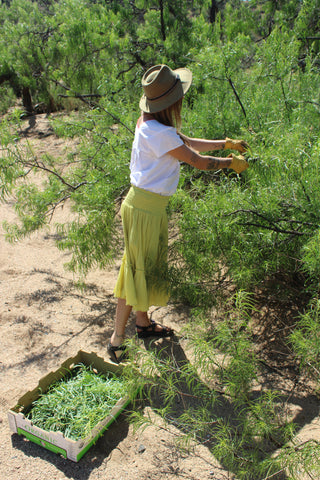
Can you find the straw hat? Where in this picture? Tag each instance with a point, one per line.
(163, 87)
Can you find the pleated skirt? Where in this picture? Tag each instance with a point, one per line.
(143, 276)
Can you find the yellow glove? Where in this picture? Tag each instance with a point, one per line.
(239, 163)
(239, 145)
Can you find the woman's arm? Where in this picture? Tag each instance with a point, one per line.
(203, 145)
(205, 162)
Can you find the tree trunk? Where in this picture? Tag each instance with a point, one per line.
(27, 100)
(213, 11)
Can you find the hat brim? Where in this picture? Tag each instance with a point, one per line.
(176, 94)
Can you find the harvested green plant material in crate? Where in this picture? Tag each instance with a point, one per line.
(74, 405)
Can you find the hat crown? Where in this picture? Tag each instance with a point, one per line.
(158, 81)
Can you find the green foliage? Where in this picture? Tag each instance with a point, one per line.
(311, 259)
(300, 456)
(254, 226)
(7, 97)
(305, 339)
(224, 348)
(307, 22)
(91, 186)
(239, 19)
(24, 59)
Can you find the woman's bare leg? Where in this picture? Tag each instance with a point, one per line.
(143, 320)
(122, 315)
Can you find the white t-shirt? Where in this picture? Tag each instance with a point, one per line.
(152, 168)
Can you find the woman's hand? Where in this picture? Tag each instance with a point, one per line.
(240, 145)
(238, 163)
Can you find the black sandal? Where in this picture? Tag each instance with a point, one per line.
(150, 331)
(112, 353)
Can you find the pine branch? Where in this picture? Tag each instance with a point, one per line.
(237, 97)
(274, 229)
(82, 97)
(41, 166)
(272, 225)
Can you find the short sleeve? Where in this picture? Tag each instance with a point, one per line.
(164, 141)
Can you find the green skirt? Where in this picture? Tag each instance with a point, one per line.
(143, 276)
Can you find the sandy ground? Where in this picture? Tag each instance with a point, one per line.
(45, 319)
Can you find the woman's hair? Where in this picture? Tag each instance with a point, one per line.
(170, 116)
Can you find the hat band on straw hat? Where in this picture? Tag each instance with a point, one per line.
(165, 93)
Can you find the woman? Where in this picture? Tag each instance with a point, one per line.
(157, 151)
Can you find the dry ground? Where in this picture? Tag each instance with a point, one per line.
(44, 319)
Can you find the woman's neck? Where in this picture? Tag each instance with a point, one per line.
(147, 116)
